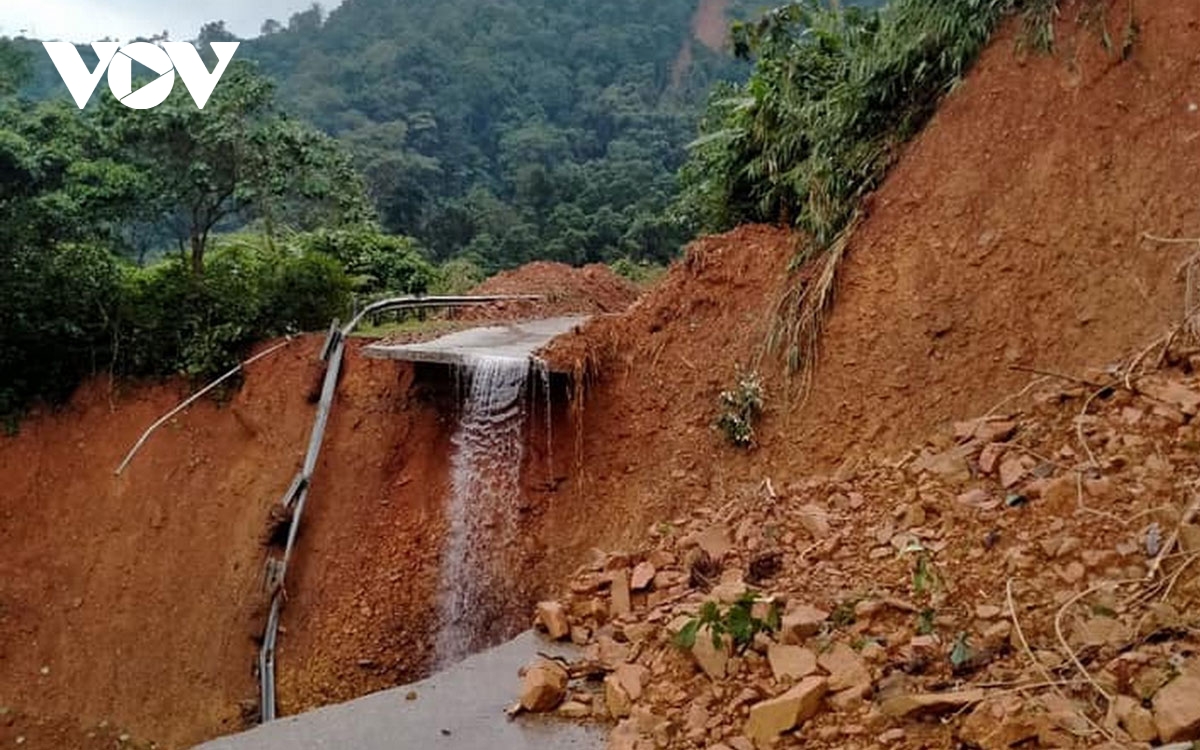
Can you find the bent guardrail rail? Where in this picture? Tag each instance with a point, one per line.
(297, 493)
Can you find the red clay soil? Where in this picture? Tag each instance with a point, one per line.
(136, 601)
(1010, 233)
(565, 290)
(131, 600)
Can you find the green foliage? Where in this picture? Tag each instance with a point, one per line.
(377, 262)
(961, 653)
(925, 621)
(236, 160)
(740, 409)
(84, 193)
(737, 622)
(56, 312)
(642, 273)
(509, 131)
(833, 94)
(457, 276)
(174, 321)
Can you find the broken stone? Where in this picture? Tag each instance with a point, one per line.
(989, 458)
(1173, 392)
(632, 677)
(643, 574)
(715, 540)
(1129, 714)
(616, 699)
(574, 710)
(729, 591)
(800, 622)
(978, 499)
(711, 658)
(1177, 709)
(929, 704)
(950, 466)
(609, 653)
(791, 662)
(845, 667)
(1101, 631)
(1012, 471)
(988, 612)
(892, 736)
(543, 686)
(1189, 538)
(624, 736)
(774, 716)
(696, 721)
(552, 617)
(850, 698)
(620, 603)
(815, 520)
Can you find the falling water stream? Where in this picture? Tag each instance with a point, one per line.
(488, 448)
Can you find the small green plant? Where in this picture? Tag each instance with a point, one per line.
(924, 579)
(740, 409)
(925, 621)
(843, 614)
(962, 653)
(737, 621)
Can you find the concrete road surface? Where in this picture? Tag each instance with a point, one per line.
(461, 708)
(517, 340)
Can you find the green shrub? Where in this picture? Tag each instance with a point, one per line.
(737, 622)
(639, 273)
(458, 276)
(56, 311)
(740, 409)
(174, 321)
(376, 262)
(833, 94)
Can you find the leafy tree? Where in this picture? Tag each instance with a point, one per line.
(236, 160)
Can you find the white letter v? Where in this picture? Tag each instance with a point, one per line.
(74, 73)
(200, 83)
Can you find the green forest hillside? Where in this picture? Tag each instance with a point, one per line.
(508, 130)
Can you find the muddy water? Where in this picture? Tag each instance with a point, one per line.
(483, 507)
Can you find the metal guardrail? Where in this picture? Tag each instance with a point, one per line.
(296, 496)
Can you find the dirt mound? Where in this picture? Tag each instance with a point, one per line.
(1010, 235)
(644, 444)
(591, 290)
(1014, 576)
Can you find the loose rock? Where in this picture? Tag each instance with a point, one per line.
(543, 686)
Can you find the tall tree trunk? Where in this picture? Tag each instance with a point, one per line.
(197, 240)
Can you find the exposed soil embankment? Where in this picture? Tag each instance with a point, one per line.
(1010, 234)
(133, 604)
(131, 600)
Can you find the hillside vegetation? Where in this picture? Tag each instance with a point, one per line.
(512, 130)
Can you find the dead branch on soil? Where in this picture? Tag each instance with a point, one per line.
(193, 398)
(801, 311)
(1041, 668)
(1013, 397)
(1188, 516)
(1062, 640)
(1059, 375)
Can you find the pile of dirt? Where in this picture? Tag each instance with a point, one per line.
(1009, 235)
(591, 290)
(1027, 577)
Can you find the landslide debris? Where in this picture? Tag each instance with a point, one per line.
(1028, 578)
